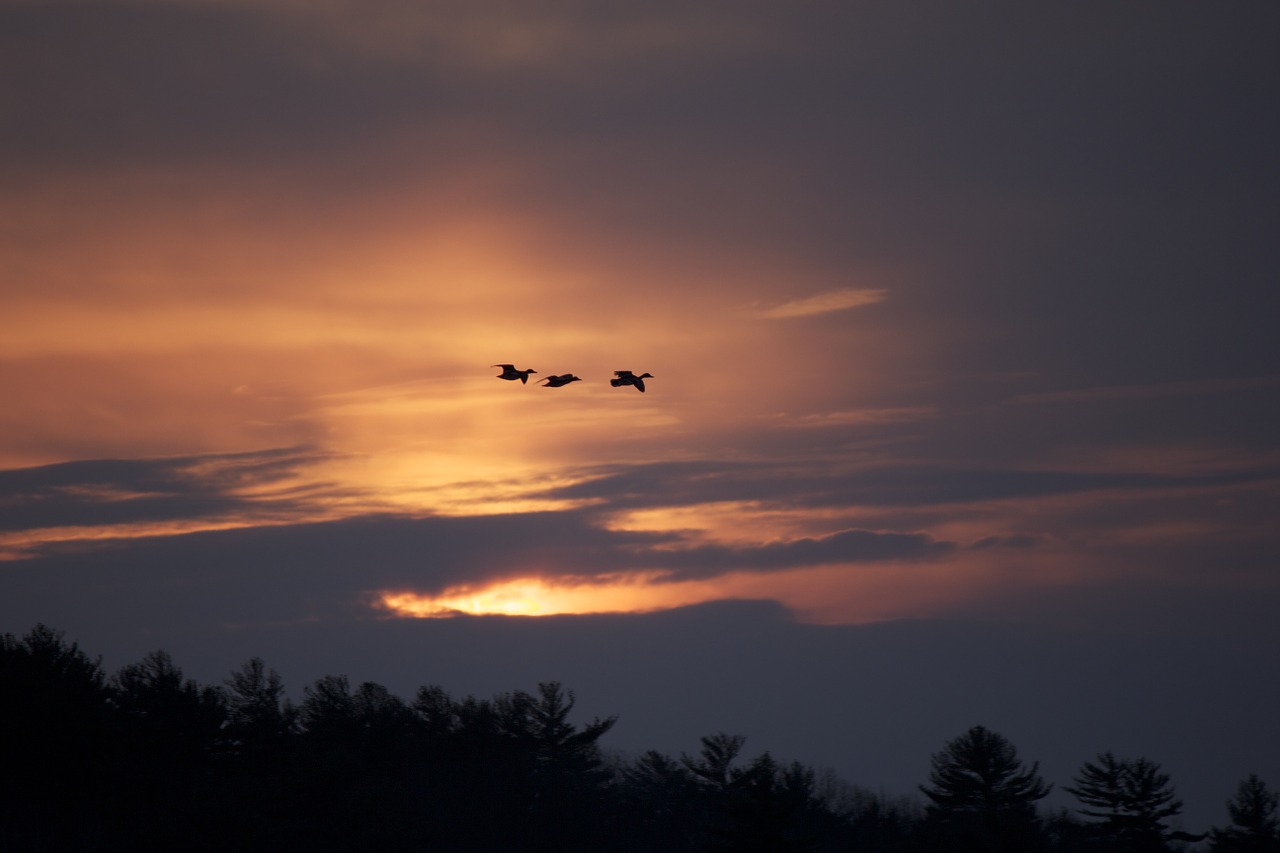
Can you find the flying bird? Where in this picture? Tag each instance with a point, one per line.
(558, 381)
(509, 372)
(626, 377)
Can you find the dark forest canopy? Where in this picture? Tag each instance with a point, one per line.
(147, 759)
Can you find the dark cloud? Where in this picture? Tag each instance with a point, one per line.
(332, 569)
(1017, 540)
(847, 546)
(372, 549)
(124, 491)
(294, 572)
(787, 484)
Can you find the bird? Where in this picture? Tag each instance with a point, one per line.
(509, 372)
(626, 377)
(558, 381)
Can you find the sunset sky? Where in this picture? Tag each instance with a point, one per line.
(962, 322)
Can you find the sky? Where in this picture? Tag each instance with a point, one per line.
(960, 319)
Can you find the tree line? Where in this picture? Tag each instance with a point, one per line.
(148, 759)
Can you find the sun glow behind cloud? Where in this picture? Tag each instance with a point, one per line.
(830, 594)
(535, 596)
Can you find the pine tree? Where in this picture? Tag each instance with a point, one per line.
(568, 777)
(981, 795)
(711, 767)
(754, 807)
(1131, 799)
(661, 804)
(1255, 826)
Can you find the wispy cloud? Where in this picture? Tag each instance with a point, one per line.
(107, 493)
(844, 547)
(822, 303)
(899, 485)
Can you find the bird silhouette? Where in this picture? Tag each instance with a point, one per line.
(509, 372)
(626, 377)
(561, 380)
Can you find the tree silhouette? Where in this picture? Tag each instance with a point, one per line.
(261, 804)
(660, 803)
(864, 820)
(760, 806)
(560, 744)
(156, 696)
(371, 719)
(771, 807)
(328, 711)
(981, 796)
(1255, 826)
(355, 760)
(1131, 800)
(259, 716)
(501, 771)
(150, 760)
(170, 730)
(569, 779)
(711, 766)
(55, 725)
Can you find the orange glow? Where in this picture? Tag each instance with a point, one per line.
(837, 594)
(541, 597)
(272, 313)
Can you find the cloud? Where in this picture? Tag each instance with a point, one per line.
(336, 570)
(784, 482)
(1017, 540)
(102, 493)
(822, 303)
(846, 546)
